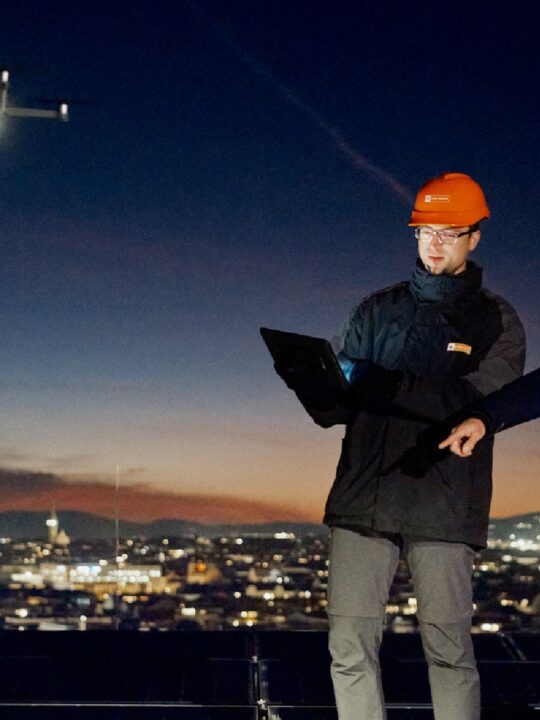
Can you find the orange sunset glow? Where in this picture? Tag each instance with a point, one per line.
(140, 504)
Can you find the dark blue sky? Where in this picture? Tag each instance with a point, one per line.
(197, 196)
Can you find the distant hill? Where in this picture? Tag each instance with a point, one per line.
(85, 526)
(525, 527)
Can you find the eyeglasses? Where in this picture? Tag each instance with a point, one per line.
(446, 237)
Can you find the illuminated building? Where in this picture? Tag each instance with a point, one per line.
(203, 573)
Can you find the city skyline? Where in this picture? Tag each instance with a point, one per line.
(233, 578)
(234, 166)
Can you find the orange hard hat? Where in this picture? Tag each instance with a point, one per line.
(451, 199)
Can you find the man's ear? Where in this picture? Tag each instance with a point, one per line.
(474, 239)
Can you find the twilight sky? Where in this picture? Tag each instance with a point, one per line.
(235, 164)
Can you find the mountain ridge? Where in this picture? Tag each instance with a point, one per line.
(88, 526)
(85, 526)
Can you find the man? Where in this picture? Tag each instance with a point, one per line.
(416, 353)
(515, 403)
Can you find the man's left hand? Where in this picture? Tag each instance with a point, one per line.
(463, 438)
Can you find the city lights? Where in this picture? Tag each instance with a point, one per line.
(257, 580)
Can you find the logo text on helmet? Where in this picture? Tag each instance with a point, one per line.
(437, 198)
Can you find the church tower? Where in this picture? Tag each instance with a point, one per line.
(52, 526)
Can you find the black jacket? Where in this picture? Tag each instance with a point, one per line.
(515, 403)
(440, 342)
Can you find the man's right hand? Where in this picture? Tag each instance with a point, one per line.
(463, 438)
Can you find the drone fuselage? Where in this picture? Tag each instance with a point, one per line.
(61, 113)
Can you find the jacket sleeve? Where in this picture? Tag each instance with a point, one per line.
(515, 403)
(434, 401)
(343, 411)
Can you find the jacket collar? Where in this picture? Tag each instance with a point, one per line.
(426, 287)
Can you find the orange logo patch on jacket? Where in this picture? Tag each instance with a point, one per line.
(459, 347)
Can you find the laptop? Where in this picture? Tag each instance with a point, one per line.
(309, 366)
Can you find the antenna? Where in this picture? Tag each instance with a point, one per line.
(117, 546)
(117, 512)
(61, 113)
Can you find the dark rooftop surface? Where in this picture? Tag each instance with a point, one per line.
(273, 675)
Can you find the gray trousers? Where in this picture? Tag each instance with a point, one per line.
(360, 575)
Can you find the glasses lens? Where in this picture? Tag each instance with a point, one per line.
(448, 237)
(424, 234)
